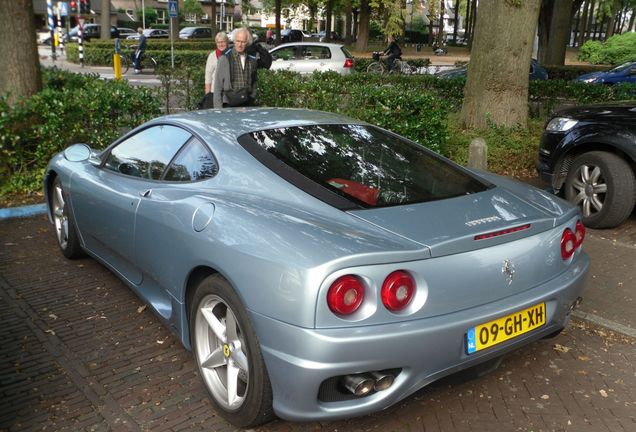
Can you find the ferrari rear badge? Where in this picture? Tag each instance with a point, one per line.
(508, 269)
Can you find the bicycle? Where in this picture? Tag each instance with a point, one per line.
(127, 58)
(399, 66)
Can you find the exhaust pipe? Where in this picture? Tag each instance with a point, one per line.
(382, 381)
(359, 385)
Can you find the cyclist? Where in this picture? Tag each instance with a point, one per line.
(392, 52)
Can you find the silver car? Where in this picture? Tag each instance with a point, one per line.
(309, 57)
(317, 266)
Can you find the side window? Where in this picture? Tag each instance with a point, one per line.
(287, 53)
(194, 162)
(147, 153)
(323, 52)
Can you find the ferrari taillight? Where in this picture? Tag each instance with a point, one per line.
(398, 290)
(579, 233)
(345, 295)
(571, 241)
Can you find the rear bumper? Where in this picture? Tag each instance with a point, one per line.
(300, 359)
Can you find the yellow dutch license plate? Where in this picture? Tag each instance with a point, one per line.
(497, 331)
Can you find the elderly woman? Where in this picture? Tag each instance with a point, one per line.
(221, 41)
(235, 80)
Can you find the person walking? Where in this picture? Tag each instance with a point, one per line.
(221, 41)
(235, 80)
(139, 52)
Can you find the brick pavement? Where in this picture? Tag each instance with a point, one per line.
(79, 352)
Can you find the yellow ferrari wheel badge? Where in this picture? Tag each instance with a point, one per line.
(226, 350)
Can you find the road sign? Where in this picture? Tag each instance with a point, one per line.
(62, 8)
(173, 9)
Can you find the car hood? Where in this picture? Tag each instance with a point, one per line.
(450, 226)
(598, 112)
(591, 75)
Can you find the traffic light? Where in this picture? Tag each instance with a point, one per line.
(73, 5)
(85, 7)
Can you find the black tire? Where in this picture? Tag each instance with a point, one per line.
(602, 184)
(215, 300)
(65, 231)
(375, 67)
(125, 64)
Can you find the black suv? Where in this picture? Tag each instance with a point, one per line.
(588, 155)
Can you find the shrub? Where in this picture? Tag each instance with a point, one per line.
(616, 50)
(71, 108)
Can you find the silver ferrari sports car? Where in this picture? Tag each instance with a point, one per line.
(318, 267)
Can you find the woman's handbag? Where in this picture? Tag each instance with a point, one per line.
(237, 97)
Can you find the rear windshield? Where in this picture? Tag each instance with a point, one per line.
(346, 52)
(366, 165)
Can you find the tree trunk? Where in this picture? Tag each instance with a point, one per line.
(590, 21)
(473, 21)
(616, 5)
(543, 28)
(467, 21)
(328, 13)
(277, 11)
(455, 21)
(363, 26)
(558, 34)
(583, 25)
(20, 65)
(440, 33)
(631, 26)
(348, 18)
(105, 20)
(497, 82)
(213, 17)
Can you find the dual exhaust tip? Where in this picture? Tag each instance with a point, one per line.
(364, 383)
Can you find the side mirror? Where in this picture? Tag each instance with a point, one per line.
(77, 153)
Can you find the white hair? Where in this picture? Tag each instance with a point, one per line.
(221, 36)
(247, 32)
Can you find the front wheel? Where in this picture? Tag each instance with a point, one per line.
(375, 67)
(228, 355)
(603, 186)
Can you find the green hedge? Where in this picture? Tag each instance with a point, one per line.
(71, 108)
(104, 56)
(614, 51)
(156, 44)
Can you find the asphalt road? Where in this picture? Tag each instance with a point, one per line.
(79, 351)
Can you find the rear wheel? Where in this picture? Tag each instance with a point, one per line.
(65, 231)
(375, 67)
(603, 186)
(125, 64)
(228, 356)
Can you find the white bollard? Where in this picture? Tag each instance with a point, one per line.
(478, 154)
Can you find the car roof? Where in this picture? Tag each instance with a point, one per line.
(325, 44)
(230, 123)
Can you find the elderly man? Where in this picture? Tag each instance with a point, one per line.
(235, 80)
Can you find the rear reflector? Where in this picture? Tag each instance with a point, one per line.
(502, 232)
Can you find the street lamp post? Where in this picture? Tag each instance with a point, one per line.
(143, 14)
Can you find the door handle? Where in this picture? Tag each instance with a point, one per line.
(146, 193)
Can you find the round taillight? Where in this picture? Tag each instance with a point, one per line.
(348, 63)
(345, 295)
(579, 233)
(568, 243)
(397, 290)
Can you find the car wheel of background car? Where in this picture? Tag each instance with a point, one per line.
(64, 228)
(603, 186)
(228, 355)
(375, 67)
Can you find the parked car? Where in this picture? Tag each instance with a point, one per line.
(537, 72)
(317, 266)
(124, 32)
(291, 35)
(195, 33)
(322, 36)
(89, 32)
(309, 57)
(152, 34)
(625, 73)
(588, 155)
